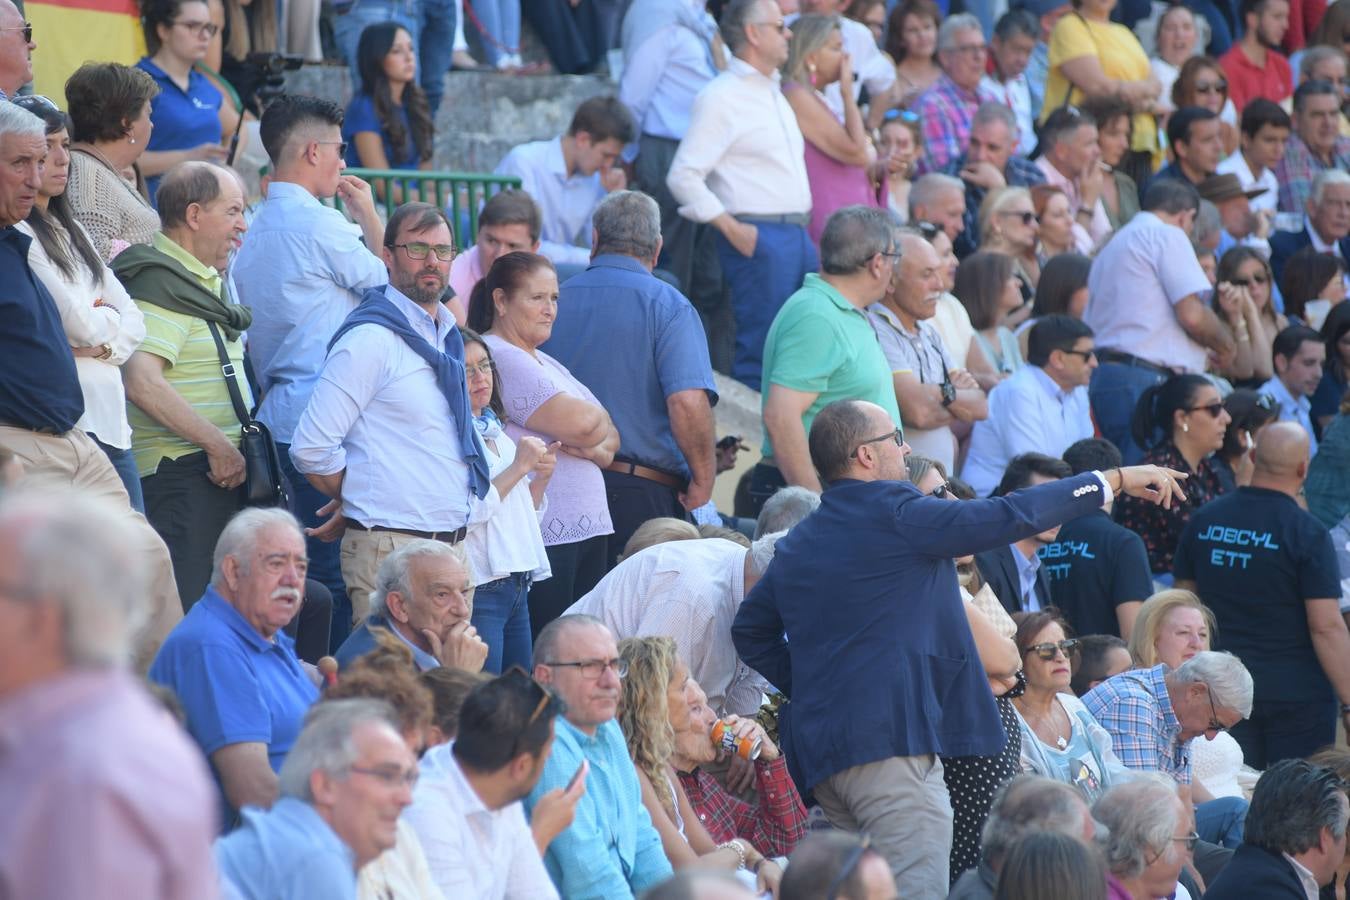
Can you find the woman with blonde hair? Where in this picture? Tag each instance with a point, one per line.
(1009, 224)
(1171, 627)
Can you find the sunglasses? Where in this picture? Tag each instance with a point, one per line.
(1211, 87)
(904, 115)
(1214, 409)
(1048, 650)
(898, 435)
(1085, 354)
(942, 491)
(26, 28)
(1026, 217)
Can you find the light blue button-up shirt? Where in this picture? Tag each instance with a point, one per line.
(661, 78)
(287, 851)
(302, 268)
(565, 202)
(1292, 410)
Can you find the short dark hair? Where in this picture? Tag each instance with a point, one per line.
(1024, 465)
(1292, 337)
(1252, 7)
(1171, 196)
(1260, 112)
(289, 113)
(498, 722)
(1092, 653)
(1181, 122)
(735, 16)
(103, 99)
(895, 25)
(818, 861)
(1051, 333)
(1248, 411)
(604, 118)
(1030, 624)
(512, 207)
(1105, 109)
(1061, 123)
(449, 686)
(183, 185)
(155, 13)
(1315, 87)
(1293, 801)
(980, 280)
(412, 217)
(836, 432)
(1062, 276)
(1092, 455)
(1305, 274)
(1017, 21)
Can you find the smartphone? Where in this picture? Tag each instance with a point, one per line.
(571, 782)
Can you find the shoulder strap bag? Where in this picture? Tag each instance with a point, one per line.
(264, 482)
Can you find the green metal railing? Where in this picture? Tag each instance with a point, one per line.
(460, 194)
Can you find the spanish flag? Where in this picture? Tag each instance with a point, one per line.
(70, 33)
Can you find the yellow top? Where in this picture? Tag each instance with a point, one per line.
(1121, 57)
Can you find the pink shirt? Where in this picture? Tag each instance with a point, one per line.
(104, 795)
(465, 272)
(1085, 239)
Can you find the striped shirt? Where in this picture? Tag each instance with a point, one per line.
(1145, 731)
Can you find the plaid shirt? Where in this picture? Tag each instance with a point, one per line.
(946, 111)
(1135, 708)
(1019, 172)
(773, 829)
(1300, 166)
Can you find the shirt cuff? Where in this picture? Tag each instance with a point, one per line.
(1108, 495)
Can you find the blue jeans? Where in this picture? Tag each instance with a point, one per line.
(347, 26)
(325, 559)
(499, 24)
(1114, 392)
(125, 464)
(1221, 821)
(501, 613)
(435, 46)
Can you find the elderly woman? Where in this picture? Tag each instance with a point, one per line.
(653, 708)
(102, 324)
(1149, 836)
(110, 115)
(513, 307)
(1202, 82)
(1175, 42)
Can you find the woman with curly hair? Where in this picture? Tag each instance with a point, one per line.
(388, 123)
(652, 709)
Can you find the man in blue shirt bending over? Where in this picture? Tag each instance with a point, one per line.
(858, 621)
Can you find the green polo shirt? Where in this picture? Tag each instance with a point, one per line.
(821, 344)
(193, 369)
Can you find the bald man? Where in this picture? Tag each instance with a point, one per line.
(1268, 570)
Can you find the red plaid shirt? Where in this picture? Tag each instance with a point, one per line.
(773, 828)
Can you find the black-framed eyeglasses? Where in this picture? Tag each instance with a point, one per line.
(1087, 355)
(341, 145)
(898, 435)
(1214, 724)
(486, 367)
(1048, 650)
(1214, 409)
(780, 26)
(26, 28)
(893, 255)
(846, 870)
(391, 777)
(421, 249)
(1026, 216)
(591, 669)
(942, 491)
(34, 102)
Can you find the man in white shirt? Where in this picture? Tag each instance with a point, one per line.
(1265, 132)
(466, 807)
(301, 269)
(1298, 355)
(1042, 408)
(740, 168)
(1010, 49)
(388, 431)
(1148, 309)
(569, 175)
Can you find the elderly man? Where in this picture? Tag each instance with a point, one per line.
(1010, 49)
(1148, 309)
(424, 595)
(995, 158)
(1255, 68)
(611, 848)
(821, 347)
(740, 169)
(1197, 145)
(1241, 224)
(939, 200)
(509, 222)
(1022, 806)
(16, 50)
(1295, 839)
(185, 428)
(1315, 146)
(400, 350)
(467, 808)
(842, 865)
(243, 689)
(1323, 63)
(302, 269)
(40, 396)
(639, 346)
(104, 796)
(1070, 160)
(1146, 822)
(1254, 543)
(948, 107)
(1326, 223)
(1297, 355)
(933, 393)
(864, 727)
(342, 789)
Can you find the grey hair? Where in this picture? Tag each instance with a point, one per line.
(1229, 682)
(852, 236)
(735, 16)
(786, 508)
(627, 223)
(952, 25)
(1142, 817)
(761, 552)
(551, 635)
(239, 538)
(1030, 803)
(393, 572)
(1325, 179)
(75, 552)
(989, 113)
(1207, 222)
(327, 742)
(17, 120)
(1315, 56)
(927, 190)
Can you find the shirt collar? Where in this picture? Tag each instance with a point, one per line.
(470, 803)
(418, 317)
(207, 275)
(290, 191)
(28, 710)
(557, 162)
(738, 66)
(1157, 685)
(946, 83)
(888, 315)
(307, 820)
(1026, 565)
(1305, 877)
(814, 281)
(1056, 392)
(425, 661)
(620, 261)
(224, 610)
(1276, 388)
(1318, 244)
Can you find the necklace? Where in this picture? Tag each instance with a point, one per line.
(1044, 723)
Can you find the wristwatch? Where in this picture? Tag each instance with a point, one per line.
(948, 393)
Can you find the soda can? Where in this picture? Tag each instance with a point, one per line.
(724, 738)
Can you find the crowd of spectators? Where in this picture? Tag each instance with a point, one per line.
(346, 552)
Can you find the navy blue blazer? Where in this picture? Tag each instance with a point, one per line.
(1284, 244)
(1253, 872)
(999, 570)
(859, 622)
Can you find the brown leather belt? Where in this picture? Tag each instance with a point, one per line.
(624, 467)
(445, 537)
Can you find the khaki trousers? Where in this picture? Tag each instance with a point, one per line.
(361, 555)
(73, 460)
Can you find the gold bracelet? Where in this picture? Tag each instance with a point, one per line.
(740, 851)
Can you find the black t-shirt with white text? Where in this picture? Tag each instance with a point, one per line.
(1094, 566)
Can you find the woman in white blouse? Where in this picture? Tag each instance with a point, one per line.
(102, 325)
(507, 550)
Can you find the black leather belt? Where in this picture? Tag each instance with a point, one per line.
(1129, 359)
(445, 537)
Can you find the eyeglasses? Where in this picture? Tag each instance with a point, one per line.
(591, 669)
(780, 26)
(1026, 216)
(1048, 650)
(1259, 278)
(32, 101)
(904, 115)
(1214, 409)
(203, 29)
(1211, 87)
(970, 49)
(898, 435)
(1087, 355)
(1214, 724)
(486, 367)
(341, 145)
(1190, 840)
(850, 863)
(394, 778)
(927, 229)
(892, 255)
(26, 28)
(420, 250)
(942, 491)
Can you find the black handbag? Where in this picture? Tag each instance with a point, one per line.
(264, 482)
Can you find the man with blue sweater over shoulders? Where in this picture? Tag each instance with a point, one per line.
(858, 621)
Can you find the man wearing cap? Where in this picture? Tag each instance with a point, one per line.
(1241, 224)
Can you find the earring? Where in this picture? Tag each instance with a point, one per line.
(811, 68)
(131, 140)
(1186, 427)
